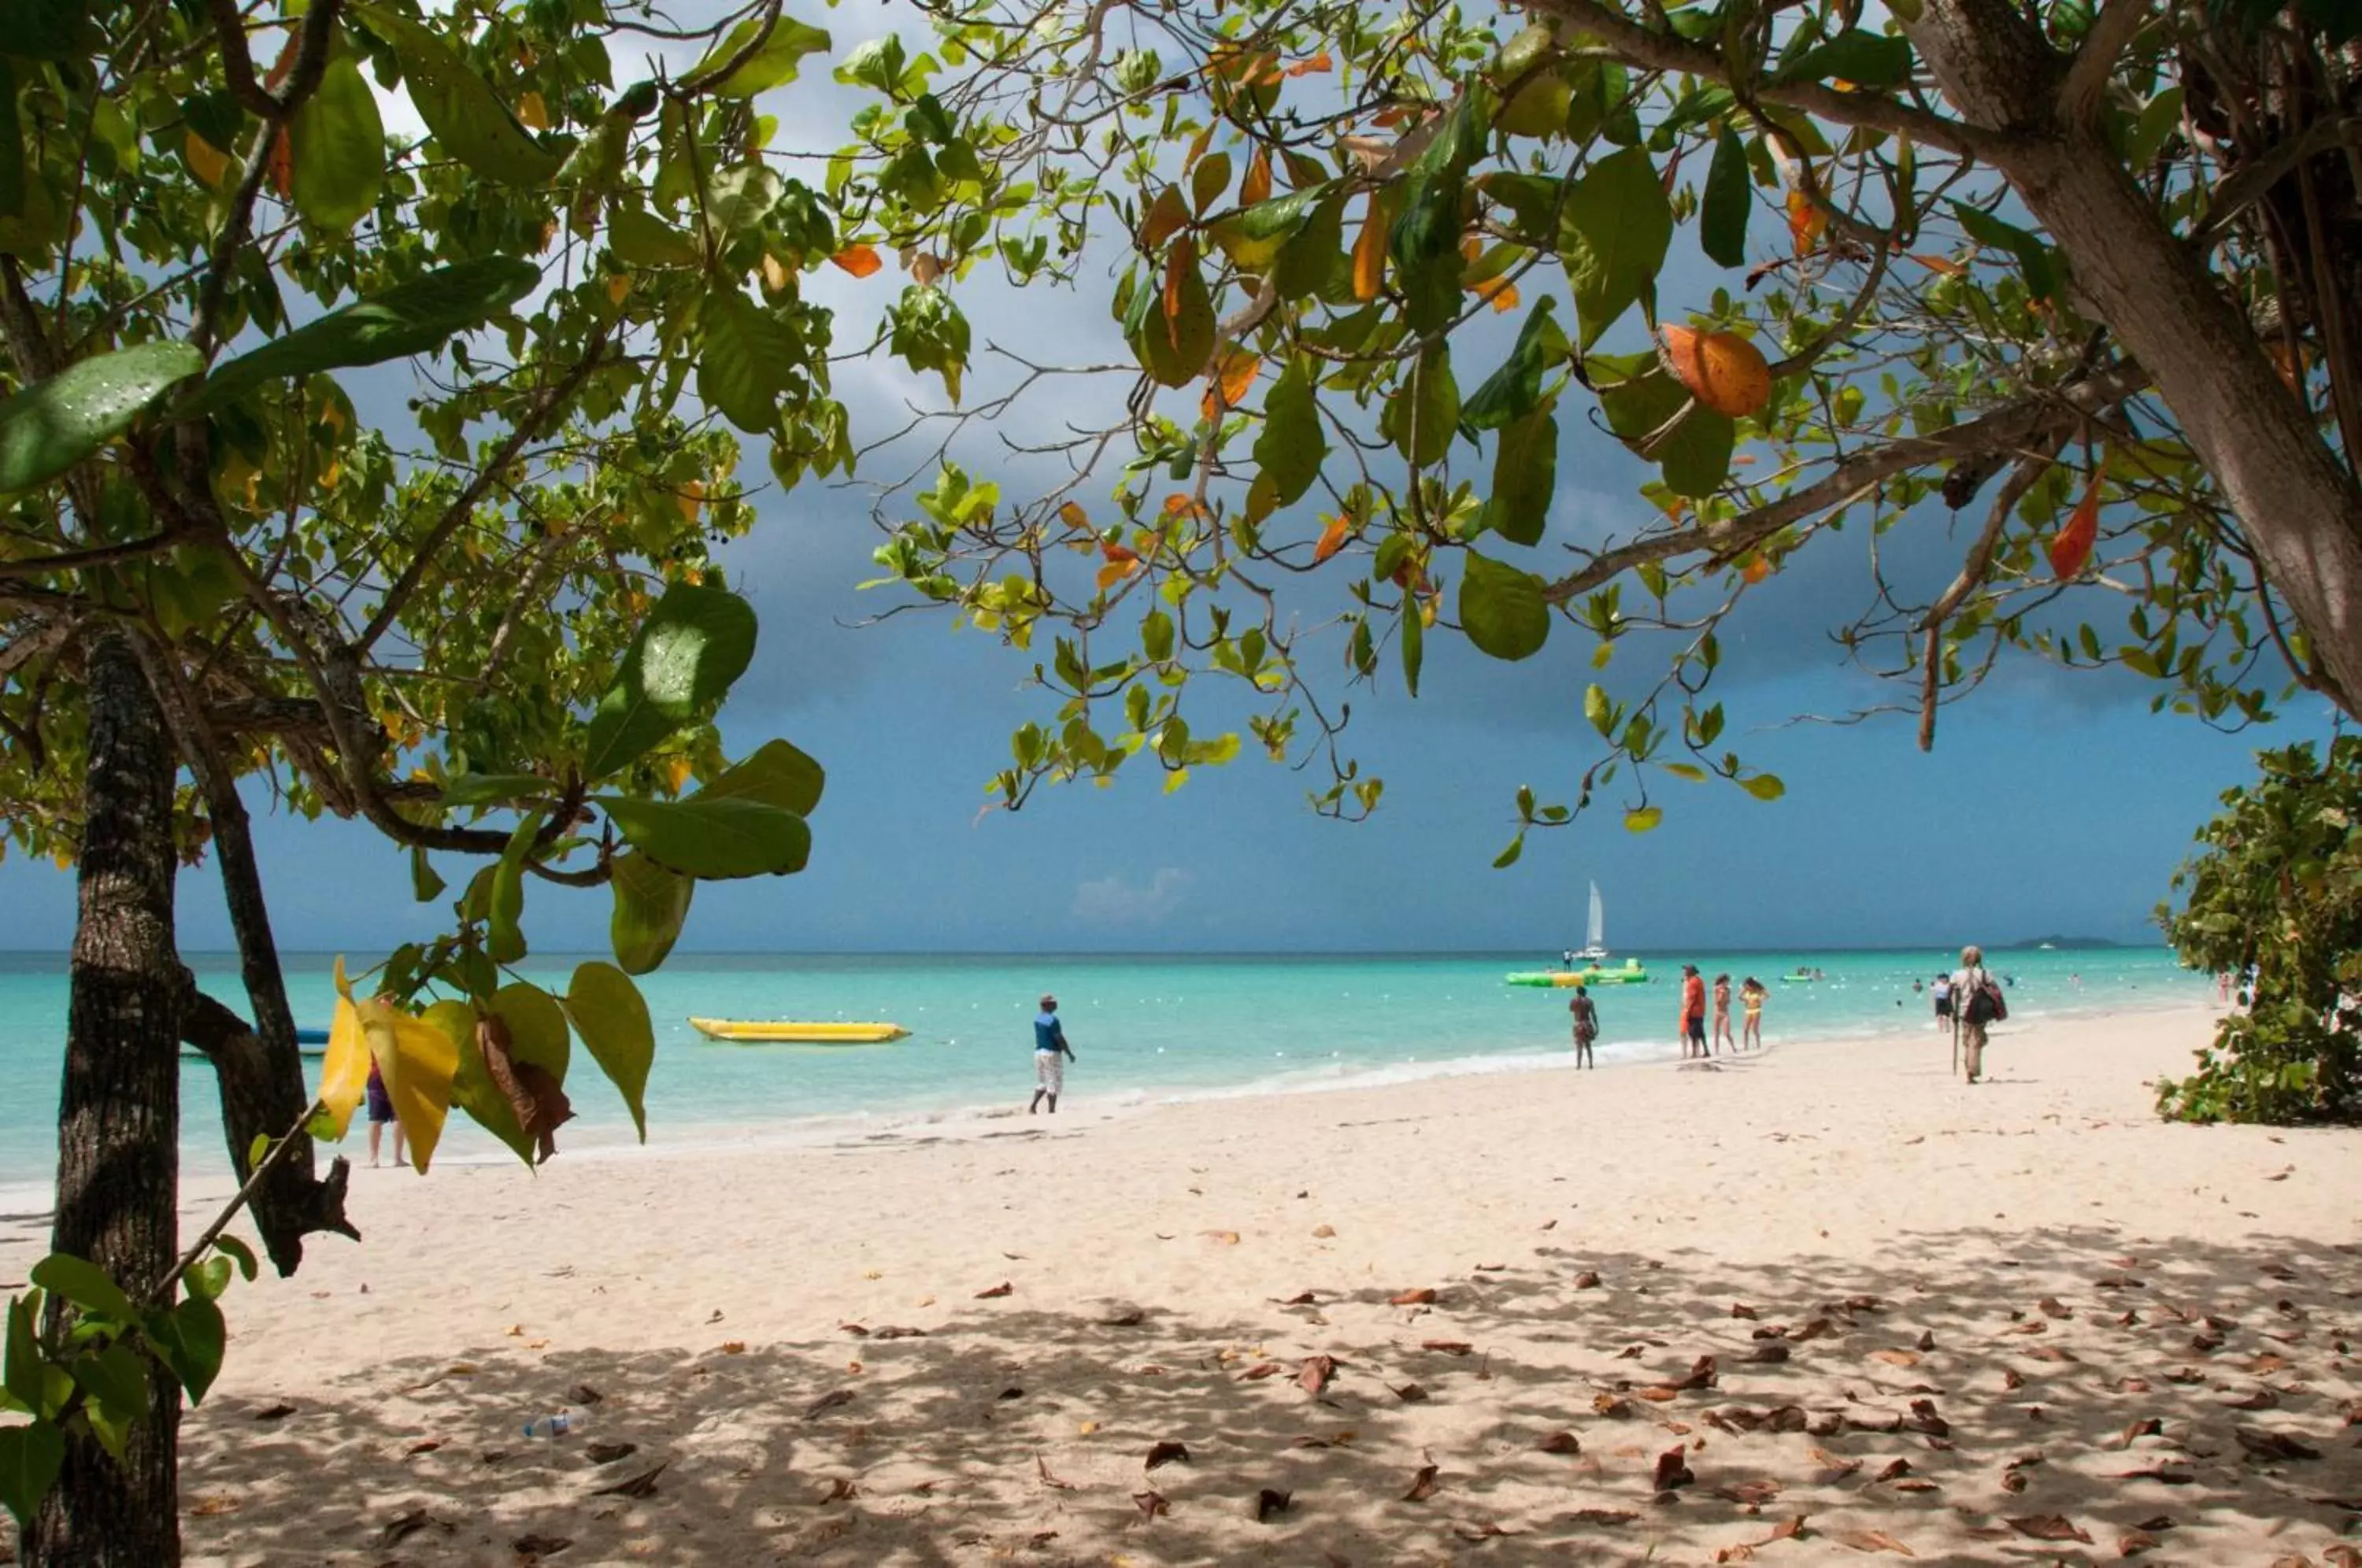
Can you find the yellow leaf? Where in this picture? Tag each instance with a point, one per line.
(533, 111)
(775, 273)
(1806, 221)
(206, 161)
(1116, 571)
(677, 773)
(417, 1062)
(344, 1071)
(1498, 292)
(618, 286)
(691, 498)
(858, 260)
(1074, 516)
(1370, 252)
(1944, 264)
(1255, 185)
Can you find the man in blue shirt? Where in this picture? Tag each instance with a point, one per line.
(1051, 1054)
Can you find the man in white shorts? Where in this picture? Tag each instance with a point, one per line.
(1051, 1054)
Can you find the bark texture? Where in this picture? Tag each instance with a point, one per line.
(118, 1117)
(2299, 509)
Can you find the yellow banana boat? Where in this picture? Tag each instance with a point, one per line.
(740, 1032)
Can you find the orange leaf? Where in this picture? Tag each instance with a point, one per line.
(1255, 185)
(858, 260)
(1807, 222)
(1498, 292)
(1235, 375)
(1197, 148)
(1332, 538)
(1370, 252)
(2072, 545)
(1944, 264)
(1313, 66)
(1757, 568)
(1165, 214)
(1179, 262)
(1115, 572)
(533, 111)
(1119, 555)
(1074, 516)
(207, 162)
(286, 61)
(282, 164)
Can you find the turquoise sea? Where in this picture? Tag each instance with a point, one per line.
(1143, 1028)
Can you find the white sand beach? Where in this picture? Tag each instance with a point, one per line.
(1641, 1314)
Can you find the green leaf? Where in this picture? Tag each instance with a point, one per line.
(1502, 608)
(208, 1279)
(608, 1011)
(248, 1267)
(1424, 411)
(1729, 195)
(1642, 820)
(1174, 349)
(426, 886)
(460, 107)
(1156, 635)
(739, 198)
(48, 428)
(2035, 259)
(21, 1371)
(1687, 771)
(1695, 454)
(415, 317)
(744, 366)
(643, 240)
(113, 1379)
(651, 904)
(536, 1024)
(1764, 786)
(472, 1089)
(30, 1458)
(694, 644)
(1309, 257)
(777, 775)
(1525, 479)
(1508, 856)
(1614, 230)
(712, 839)
(775, 64)
(201, 1335)
(1515, 389)
(1864, 59)
(1414, 644)
(1292, 445)
(505, 941)
(496, 789)
(336, 145)
(1597, 708)
(85, 1285)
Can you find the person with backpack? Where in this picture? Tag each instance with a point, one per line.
(1976, 1004)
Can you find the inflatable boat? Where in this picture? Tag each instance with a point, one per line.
(739, 1031)
(1630, 974)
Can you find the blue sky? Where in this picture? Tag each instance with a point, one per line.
(2052, 804)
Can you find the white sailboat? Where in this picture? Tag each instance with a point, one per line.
(1594, 949)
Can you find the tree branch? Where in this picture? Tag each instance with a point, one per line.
(2009, 427)
(463, 507)
(1646, 47)
(2028, 468)
(2087, 74)
(97, 555)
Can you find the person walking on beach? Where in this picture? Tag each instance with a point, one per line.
(1750, 1028)
(1722, 1014)
(381, 1111)
(1943, 1001)
(1051, 1054)
(1587, 1026)
(1976, 1003)
(1692, 1012)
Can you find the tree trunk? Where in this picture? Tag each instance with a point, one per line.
(118, 1117)
(258, 1065)
(2299, 509)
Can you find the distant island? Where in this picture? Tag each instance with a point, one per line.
(2035, 942)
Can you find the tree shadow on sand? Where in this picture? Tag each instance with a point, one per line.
(1973, 1398)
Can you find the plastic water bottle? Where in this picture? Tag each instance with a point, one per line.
(556, 1426)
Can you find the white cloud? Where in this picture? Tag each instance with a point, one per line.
(1111, 901)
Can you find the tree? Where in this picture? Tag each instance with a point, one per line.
(489, 621)
(2277, 893)
(2089, 276)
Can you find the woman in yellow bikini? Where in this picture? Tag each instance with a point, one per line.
(1750, 1029)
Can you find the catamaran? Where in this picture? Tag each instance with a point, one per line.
(1587, 966)
(1594, 950)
